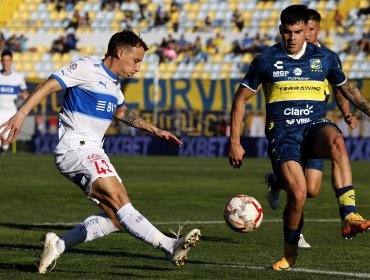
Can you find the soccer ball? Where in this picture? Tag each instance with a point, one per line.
(243, 213)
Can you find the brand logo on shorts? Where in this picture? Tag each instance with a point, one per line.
(298, 121)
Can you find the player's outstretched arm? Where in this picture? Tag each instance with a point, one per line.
(352, 93)
(343, 105)
(236, 151)
(15, 123)
(131, 119)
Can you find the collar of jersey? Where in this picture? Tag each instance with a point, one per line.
(114, 77)
(298, 55)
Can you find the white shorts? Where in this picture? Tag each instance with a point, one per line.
(83, 166)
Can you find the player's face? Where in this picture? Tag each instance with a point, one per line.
(129, 61)
(293, 36)
(6, 63)
(313, 30)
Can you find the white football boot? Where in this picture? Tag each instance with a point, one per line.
(302, 243)
(50, 252)
(182, 246)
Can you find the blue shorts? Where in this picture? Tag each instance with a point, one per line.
(296, 143)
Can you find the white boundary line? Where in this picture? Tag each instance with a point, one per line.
(215, 222)
(306, 270)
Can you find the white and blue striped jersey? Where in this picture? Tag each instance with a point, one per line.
(11, 85)
(92, 95)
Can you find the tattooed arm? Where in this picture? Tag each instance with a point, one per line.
(343, 105)
(352, 93)
(131, 119)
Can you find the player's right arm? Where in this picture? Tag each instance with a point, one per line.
(236, 151)
(14, 124)
(343, 105)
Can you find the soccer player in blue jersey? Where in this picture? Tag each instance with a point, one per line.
(93, 98)
(314, 166)
(12, 86)
(293, 75)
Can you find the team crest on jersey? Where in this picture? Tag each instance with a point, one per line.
(316, 65)
(73, 66)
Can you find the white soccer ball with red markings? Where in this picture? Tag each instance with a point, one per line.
(243, 213)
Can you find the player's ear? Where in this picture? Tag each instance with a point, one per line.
(119, 53)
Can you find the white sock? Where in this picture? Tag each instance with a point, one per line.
(93, 227)
(138, 226)
(5, 147)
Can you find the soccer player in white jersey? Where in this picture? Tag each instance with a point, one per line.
(12, 86)
(93, 98)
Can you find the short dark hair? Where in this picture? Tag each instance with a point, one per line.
(314, 15)
(294, 14)
(6, 52)
(124, 38)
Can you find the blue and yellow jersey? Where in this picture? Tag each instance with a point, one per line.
(294, 88)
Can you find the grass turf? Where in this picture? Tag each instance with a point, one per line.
(37, 199)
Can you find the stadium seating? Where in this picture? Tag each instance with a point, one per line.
(32, 17)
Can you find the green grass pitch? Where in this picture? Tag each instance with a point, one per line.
(36, 199)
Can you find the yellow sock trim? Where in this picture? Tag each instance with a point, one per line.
(348, 198)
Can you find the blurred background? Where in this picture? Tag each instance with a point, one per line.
(199, 52)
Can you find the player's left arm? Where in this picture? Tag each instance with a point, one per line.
(130, 118)
(344, 107)
(353, 94)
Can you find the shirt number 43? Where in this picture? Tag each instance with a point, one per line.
(102, 167)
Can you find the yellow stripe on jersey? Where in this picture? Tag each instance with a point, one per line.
(295, 90)
(327, 91)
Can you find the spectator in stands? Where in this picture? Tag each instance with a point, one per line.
(74, 21)
(71, 43)
(364, 43)
(183, 44)
(247, 44)
(58, 45)
(238, 20)
(198, 50)
(84, 20)
(2, 41)
(169, 52)
(218, 41)
(174, 15)
(161, 17)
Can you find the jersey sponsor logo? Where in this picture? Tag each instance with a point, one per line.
(103, 106)
(279, 64)
(8, 90)
(282, 73)
(291, 111)
(295, 90)
(297, 71)
(298, 121)
(73, 66)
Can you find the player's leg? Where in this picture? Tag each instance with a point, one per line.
(329, 143)
(274, 183)
(112, 193)
(313, 174)
(295, 184)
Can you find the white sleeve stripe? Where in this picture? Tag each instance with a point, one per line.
(254, 90)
